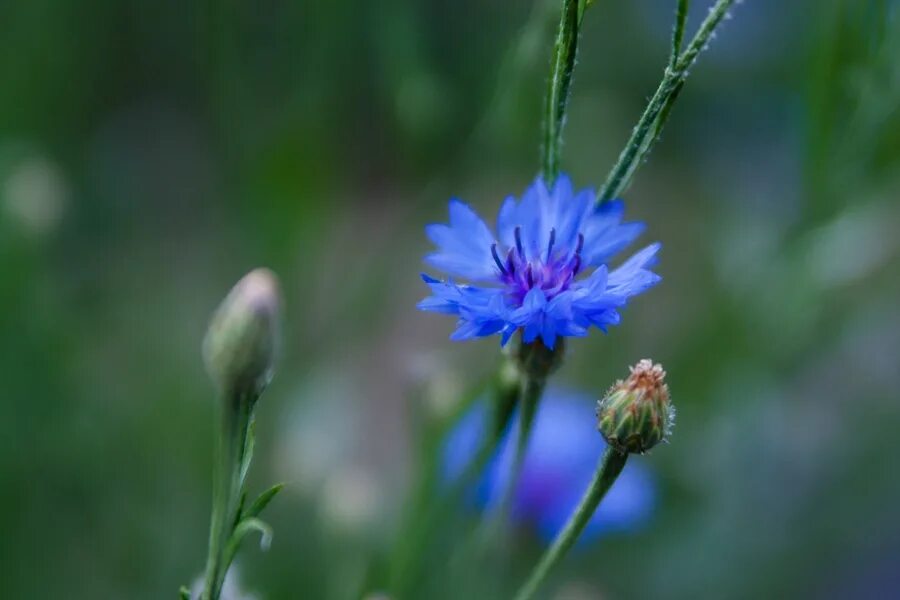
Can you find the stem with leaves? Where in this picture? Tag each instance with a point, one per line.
(232, 442)
(650, 125)
(239, 350)
(231, 519)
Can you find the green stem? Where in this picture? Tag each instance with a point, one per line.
(406, 560)
(678, 30)
(493, 529)
(532, 389)
(650, 124)
(227, 489)
(707, 27)
(565, 49)
(607, 471)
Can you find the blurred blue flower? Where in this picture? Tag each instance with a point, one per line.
(562, 455)
(527, 276)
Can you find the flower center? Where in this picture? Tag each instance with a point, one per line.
(552, 271)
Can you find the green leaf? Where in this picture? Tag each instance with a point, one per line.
(254, 524)
(262, 501)
(184, 593)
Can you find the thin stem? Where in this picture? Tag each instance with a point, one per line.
(218, 527)
(521, 56)
(607, 471)
(532, 389)
(405, 567)
(650, 124)
(227, 488)
(621, 173)
(407, 557)
(565, 49)
(678, 30)
(491, 533)
(707, 27)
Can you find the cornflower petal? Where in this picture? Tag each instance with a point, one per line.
(545, 274)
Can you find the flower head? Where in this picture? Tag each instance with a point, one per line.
(560, 460)
(543, 271)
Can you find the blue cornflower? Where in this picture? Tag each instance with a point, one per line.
(544, 272)
(563, 452)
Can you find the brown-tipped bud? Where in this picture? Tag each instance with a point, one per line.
(636, 414)
(242, 341)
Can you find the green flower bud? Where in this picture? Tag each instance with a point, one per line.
(241, 343)
(636, 413)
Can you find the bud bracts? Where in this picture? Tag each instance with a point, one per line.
(242, 341)
(636, 413)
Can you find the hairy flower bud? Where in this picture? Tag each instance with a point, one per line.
(242, 340)
(636, 413)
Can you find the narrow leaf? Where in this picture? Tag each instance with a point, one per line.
(262, 501)
(253, 524)
(237, 536)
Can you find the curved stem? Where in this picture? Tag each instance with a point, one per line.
(565, 49)
(607, 471)
(650, 124)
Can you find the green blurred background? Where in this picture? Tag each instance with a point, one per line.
(153, 152)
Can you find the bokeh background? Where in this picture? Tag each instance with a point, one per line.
(153, 152)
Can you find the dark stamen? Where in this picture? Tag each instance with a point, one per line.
(576, 260)
(518, 235)
(497, 258)
(552, 241)
(529, 276)
(510, 263)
